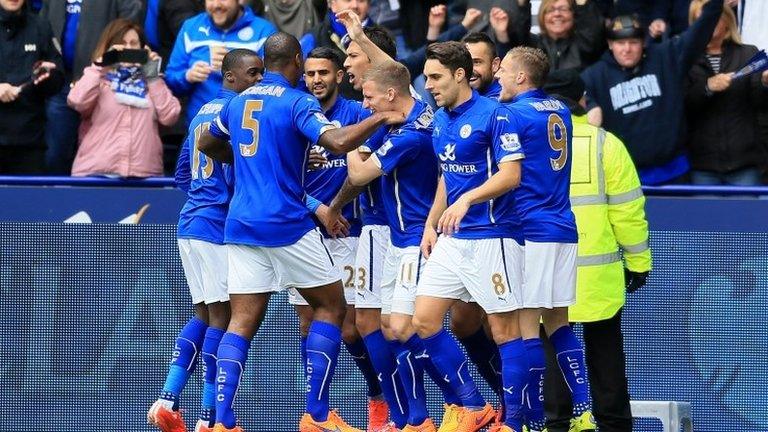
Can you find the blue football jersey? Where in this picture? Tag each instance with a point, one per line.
(323, 183)
(271, 127)
(493, 91)
(203, 215)
(410, 176)
(470, 141)
(543, 198)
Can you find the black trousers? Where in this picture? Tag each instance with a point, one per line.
(604, 353)
(22, 160)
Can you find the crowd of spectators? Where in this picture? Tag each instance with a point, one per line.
(658, 74)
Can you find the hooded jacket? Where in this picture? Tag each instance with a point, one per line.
(643, 105)
(26, 39)
(193, 44)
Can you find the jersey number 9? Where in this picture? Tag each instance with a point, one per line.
(251, 124)
(197, 155)
(558, 140)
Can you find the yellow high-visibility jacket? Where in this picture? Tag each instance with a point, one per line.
(610, 216)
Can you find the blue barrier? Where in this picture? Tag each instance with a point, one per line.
(90, 311)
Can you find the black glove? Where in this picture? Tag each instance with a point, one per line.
(634, 280)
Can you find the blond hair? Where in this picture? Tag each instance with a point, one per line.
(390, 74)
(732, 28)
(533, 61)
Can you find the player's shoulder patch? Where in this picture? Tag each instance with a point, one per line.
(510, 142)
(386, 147)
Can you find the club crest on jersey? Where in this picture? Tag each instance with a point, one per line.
(245, 34)
(510, 142)
(465, 131)
(449, 154)
(382, 151)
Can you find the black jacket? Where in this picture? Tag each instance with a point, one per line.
(94, 18)
(26, 39)
(172, 14)
(582, 49)
(723, 133)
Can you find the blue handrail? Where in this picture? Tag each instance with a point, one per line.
(151, 182)
(158, 182)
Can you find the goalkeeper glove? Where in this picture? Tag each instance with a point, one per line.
(634, 280)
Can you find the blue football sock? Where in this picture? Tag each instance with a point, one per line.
(416, 346)
(570, 357)
(485, 355)
(412, 376)
(304, 356)
(534, 396)
(185, 356)
(452, 365)
(514, 376)
(210, 349)
(385, 365)
(363, 361)
(323, 345)
(232, 354)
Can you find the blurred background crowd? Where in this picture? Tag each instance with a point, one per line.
(658, 73)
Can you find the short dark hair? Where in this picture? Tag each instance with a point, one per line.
(453, 55)
(381, 37)
(534, 62)
(328, 54)
(478, 37)
(390, 74)
(279, 50)
(235, 58)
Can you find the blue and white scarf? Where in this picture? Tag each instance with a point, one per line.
(129, 86)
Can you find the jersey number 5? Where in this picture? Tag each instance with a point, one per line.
(558, 140)
(197, 155)
(251, 124)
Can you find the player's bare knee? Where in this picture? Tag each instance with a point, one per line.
(402, 327)
(201, 312)
(349, 333)
(505, 326)
(426, 326)
(219, 315)
(554, 319)
(367, 321)
(462, 326)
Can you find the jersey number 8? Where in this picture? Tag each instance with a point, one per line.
(558, 140)
(251, 124)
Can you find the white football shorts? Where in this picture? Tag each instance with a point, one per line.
(488, 271)
(550, 275)
(205, 267)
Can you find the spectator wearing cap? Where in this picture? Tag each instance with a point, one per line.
(77, 24)
(637, 93)
(609, 206)
(194, 68)
(30, 72)
(723, 141)
(122, 106)
(572, 32)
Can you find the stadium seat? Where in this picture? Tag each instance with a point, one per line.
(672, 414)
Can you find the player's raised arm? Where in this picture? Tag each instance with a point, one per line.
(355, 31)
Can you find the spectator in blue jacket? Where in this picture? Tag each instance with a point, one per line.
(637, 92)
(202, 43)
